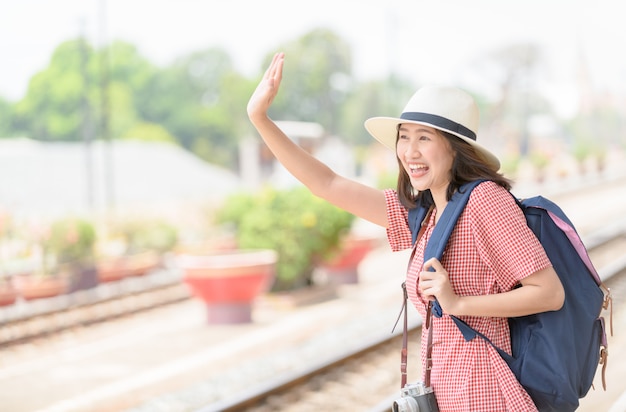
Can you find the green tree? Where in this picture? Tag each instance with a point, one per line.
(125, 76)
(317, 79)
(69, 92)
(200, 99)
(6, 114)
(52, 108)
(369, 99)
(150, 132)
(515, 69)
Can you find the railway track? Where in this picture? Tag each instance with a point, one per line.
(26, 321)
(366, 379)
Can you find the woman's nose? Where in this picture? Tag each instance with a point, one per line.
(412, 148)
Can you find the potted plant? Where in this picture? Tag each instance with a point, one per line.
(540, 161)
(303, 229)
(8, 294)
(38, 275)
(72, 241)
(341, 267)
(228, 282)
(134, 247)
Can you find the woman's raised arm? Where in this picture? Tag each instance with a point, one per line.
(361, 200)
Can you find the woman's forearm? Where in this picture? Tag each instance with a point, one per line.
(314, 174)
(542, 292)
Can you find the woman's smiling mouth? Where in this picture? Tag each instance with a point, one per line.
(417, 168)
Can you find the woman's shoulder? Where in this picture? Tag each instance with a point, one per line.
(392, 198)
(490, 191)
(488, 197)
(394, 205)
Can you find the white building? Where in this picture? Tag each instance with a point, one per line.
(59, 178)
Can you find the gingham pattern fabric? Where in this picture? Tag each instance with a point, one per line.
(490, 250)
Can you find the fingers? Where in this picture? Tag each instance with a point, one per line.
(434, 264)
(432, 279)
(279, 67)
(267, 89)
(274, 72)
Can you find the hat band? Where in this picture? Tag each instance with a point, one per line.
(439, 121)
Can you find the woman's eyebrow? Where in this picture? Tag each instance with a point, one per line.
(403, 128)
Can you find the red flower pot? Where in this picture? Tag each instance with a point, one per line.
(111, 269)
(342, 268)
(117, 268)
(31, 287)
(8, 293)
(229, 282)
(141, 263)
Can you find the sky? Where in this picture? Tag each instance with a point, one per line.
(427, 41)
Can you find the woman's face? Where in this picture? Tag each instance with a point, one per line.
(426, 157)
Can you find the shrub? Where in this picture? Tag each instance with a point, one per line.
(300, 227)
(71, 240)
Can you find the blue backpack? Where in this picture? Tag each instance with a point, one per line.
(555, 354)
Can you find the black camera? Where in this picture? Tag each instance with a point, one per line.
(416, 397)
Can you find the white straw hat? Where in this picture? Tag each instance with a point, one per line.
(444, 108)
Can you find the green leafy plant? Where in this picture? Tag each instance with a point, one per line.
(137, 235)
(302, 228)
(67, 241)
(72, 240)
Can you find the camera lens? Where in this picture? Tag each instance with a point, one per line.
(407, 404)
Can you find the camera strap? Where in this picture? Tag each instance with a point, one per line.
(405, 338)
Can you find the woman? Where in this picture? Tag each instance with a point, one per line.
(490, 253)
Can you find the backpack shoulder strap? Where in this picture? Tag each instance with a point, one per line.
(439, 238)
(416, 218)
(451, 213)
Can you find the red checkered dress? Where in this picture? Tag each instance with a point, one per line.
(490, 250)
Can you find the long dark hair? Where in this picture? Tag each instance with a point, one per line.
(467, 166)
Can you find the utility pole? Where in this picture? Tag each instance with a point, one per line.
(109, 175)
(86, 125)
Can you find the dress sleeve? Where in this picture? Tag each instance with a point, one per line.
(503, 239)
(398, 231)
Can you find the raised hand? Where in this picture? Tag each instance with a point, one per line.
(266, 91)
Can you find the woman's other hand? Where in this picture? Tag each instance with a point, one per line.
(435, 284)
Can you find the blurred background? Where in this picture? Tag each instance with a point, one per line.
(123, 128)
(98, 76)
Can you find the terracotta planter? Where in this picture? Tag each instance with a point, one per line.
(229, 282)
(114, 269)
(343, 267)
(8, 293)
(111, 269)
(141, 263)
(31, 287)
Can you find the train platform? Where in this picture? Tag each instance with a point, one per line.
(169, 359)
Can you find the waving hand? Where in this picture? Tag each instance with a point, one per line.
(266, 91)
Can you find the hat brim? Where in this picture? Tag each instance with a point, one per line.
(385, 129)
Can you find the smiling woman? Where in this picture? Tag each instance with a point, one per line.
(435, 141)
